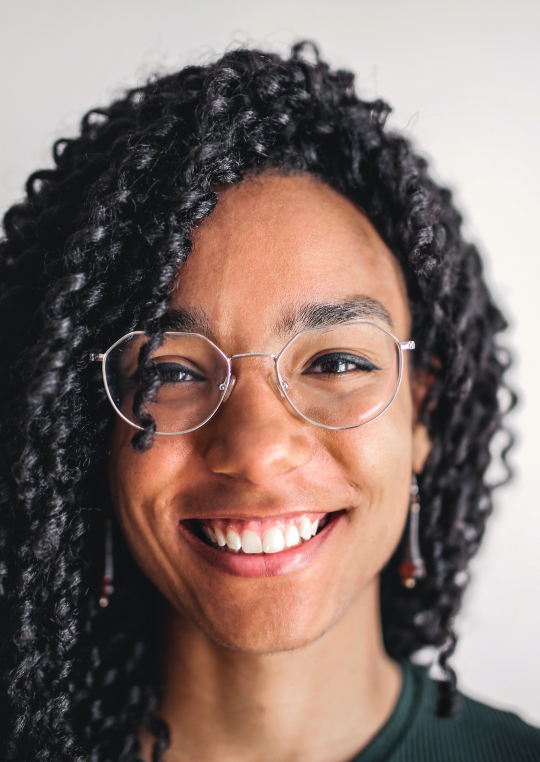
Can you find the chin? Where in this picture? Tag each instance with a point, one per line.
(264, 639)
(290, 622)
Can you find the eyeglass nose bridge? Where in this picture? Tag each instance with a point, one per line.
(253, 354)
(229, 383)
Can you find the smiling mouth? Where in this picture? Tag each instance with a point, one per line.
(259, 536)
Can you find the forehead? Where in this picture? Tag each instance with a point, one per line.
(276, 243)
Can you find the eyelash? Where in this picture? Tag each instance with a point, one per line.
(361, 363)
(177, 368)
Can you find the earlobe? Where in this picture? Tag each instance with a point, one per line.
(422, 382)
(421, 447)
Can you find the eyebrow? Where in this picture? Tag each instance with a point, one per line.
(308, 315)
(186, 321)
(322, 314)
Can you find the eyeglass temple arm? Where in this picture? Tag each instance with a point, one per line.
(406, 345)
(94, 357)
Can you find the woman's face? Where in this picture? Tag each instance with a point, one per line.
(272, 246)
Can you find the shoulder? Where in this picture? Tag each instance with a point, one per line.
(498, 729)
(479, 733)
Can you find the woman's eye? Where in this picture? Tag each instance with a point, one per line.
(338, 362)
(174, 373)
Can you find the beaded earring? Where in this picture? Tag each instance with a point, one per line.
(106, 581)
(412, 566)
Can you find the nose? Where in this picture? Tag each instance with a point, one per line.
(254, 436)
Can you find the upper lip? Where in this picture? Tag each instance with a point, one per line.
(266, 516)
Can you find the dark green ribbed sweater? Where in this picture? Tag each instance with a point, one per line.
(480, 734)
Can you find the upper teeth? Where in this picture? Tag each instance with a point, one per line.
(305, 529)
(233, 540)
(291, 537)
(251, 542)
(273, 540)
(220, 537)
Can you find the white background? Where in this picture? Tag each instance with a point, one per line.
(463, 78)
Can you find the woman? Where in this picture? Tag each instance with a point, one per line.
(249, 382)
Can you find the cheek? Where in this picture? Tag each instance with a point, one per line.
(377, 461)
(145, 489)
(142, 477)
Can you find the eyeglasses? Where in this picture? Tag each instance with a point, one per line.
(337, 377)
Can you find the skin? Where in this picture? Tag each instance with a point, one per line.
(288, 667)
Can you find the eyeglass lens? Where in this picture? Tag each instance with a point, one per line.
(337, 377)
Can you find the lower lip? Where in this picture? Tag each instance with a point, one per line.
(264, 565)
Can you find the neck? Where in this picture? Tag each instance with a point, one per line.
(322, 702)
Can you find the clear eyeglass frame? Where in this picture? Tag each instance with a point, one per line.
(227, 385)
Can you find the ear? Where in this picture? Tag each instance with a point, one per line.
(422, 382)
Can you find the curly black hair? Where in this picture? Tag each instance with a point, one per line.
(88, 256)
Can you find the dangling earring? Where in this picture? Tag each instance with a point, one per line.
(106, 581)
(412, 567)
